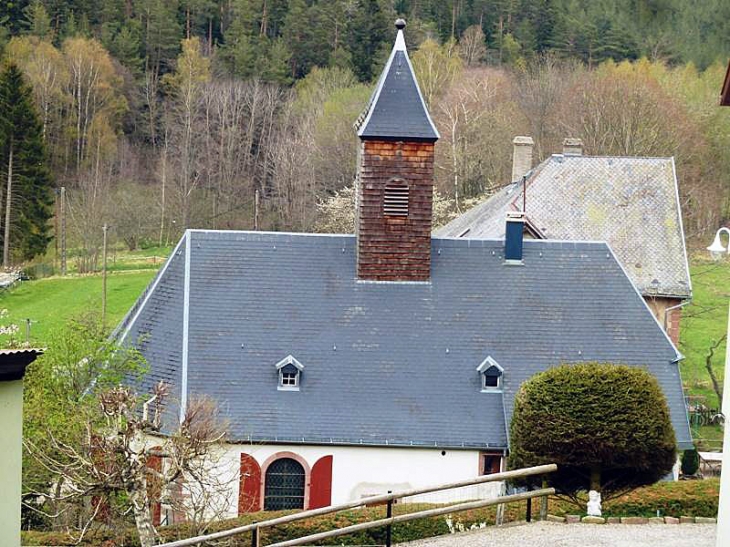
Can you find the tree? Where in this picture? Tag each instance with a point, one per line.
(436, 68)
(690, 461)
(471, 46)
(39, 22)
(94, 87)
(186, 85)
(368, 33)
(606, 426)
(93, 446)
(28, 196)
(46, 70)
(477, 119)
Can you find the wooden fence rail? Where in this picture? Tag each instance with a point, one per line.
(384, 498)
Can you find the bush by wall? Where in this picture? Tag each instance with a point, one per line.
(694, 498)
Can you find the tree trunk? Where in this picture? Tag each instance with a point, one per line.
(6, 241)
(142, 514)
(596, 478)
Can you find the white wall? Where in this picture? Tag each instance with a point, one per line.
(365, 471)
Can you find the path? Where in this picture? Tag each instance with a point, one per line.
(546, 534)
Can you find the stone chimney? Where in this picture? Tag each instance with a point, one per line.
(521, 157)
(572, 147)
(395, 176)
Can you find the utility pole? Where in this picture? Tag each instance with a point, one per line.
(103, 280)
(63, 230)
(256, 210)
(55, 232)
(723, 511)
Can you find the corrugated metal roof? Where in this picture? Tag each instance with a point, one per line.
(389, 363)
(19, 351)
(632, 203)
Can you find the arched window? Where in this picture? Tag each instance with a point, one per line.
(284, 485)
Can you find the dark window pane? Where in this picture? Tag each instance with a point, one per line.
(491, 463)
(491, 381)
(284, 488)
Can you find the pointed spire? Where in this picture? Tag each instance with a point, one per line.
(396, 108)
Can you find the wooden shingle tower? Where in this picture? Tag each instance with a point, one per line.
(395, 176)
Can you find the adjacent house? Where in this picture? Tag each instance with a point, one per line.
(349, 365)
(630, 202)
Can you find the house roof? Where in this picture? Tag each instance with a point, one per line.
(396, 108)
(14, 362)
(385, 363)
(725, 93)
(632, 203)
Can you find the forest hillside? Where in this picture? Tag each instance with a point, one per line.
(161, 115)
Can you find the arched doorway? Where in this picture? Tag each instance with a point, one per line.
(284, 485)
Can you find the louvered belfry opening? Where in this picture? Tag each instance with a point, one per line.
(395, 176)
(395, 198)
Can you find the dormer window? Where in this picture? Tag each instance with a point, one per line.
(290, 374)
(491, 374)
(395, 198)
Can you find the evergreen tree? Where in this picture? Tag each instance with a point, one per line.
(241, 48)
(39, 22)
(369, 31)
(27, 196)
(607, 427)
(12, 15)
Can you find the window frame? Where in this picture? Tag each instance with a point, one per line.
(483, 368)
(296, 376)
(483, 455)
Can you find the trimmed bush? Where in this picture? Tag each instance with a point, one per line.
(606, 426)
(696, 498)
(690, 461)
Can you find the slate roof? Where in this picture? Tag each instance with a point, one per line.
(632, 203)
(396, 108)
(385, 363)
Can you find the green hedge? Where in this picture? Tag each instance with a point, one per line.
(695, 498)
(674, 499)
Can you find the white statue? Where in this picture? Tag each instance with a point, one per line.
(594, 503)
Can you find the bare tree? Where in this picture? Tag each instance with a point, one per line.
(477, 119)
(541, 90)
(116, 455)
(711, 371)
(472, 46)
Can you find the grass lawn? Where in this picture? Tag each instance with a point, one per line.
(50, 302)
(704, 322)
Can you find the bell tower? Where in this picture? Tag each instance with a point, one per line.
(395, 176)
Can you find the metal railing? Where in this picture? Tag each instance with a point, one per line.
(256, 527)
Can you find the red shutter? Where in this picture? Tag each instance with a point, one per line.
(153, 487)
(249, 486)
(320, 490)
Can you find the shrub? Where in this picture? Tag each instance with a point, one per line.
(696, 498)
(606, 426)
(690, 461)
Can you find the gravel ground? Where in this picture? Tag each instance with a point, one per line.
(547, 534)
